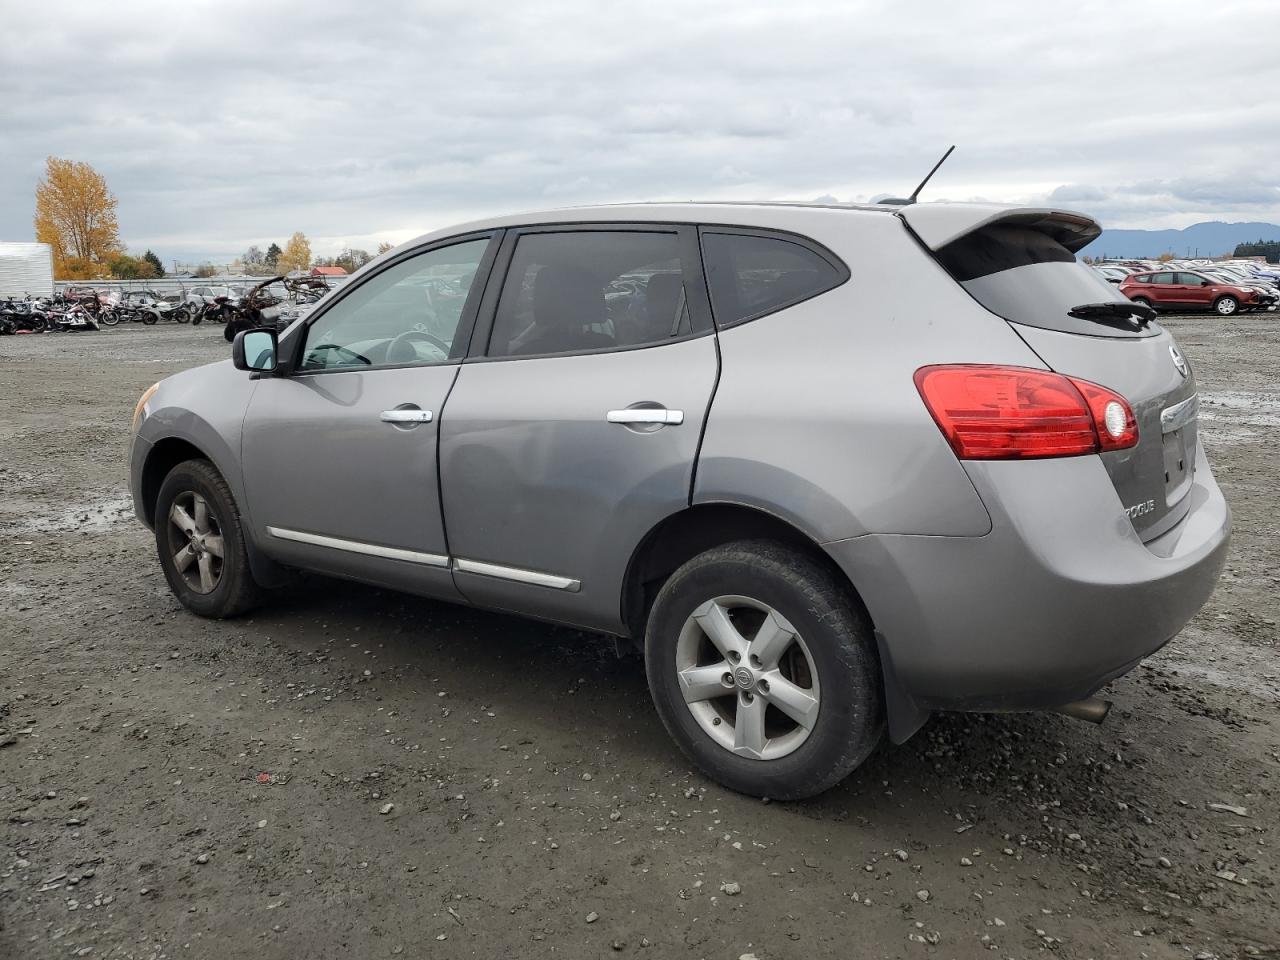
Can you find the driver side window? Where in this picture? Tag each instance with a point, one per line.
(406, 315)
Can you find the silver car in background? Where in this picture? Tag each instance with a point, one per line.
(832, 468)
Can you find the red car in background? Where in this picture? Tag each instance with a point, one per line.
(1184, 290)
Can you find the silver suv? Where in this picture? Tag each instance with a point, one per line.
(833, 468)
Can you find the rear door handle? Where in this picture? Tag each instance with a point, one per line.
(645, 415)
(405, 416)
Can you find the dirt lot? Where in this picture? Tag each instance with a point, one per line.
(173, 787)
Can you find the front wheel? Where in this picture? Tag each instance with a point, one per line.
(764, 670)
(1226, 306)
(201, 543)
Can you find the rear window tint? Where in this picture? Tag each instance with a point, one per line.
(1028, 277)
(749, 276)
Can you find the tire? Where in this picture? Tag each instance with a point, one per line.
(1145, 302)
(1227, 306)
(181, 315)
(109, 317)
(149, 318)
(233, 590)
(831, 659)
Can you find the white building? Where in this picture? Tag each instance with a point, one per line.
(26, 268)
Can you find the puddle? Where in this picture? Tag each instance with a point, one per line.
(1222, 432)
(93, 517)
(1241, 408)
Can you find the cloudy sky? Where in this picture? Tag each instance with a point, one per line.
(220, 125)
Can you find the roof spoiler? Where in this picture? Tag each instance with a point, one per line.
(938, 224)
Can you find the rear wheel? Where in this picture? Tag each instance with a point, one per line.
(181, 315)
(1144, 301)
(1226, 306)
(764, 670)
(201, 544)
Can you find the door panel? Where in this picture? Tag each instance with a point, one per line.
(339, 454)
(335, 487)
(1191, 291)
(538, 481)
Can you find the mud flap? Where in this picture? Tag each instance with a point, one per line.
(905, 716)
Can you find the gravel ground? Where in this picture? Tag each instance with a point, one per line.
(354, 773)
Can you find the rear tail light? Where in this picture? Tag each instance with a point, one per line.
(1014, 413)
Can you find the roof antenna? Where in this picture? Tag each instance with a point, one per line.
(901, 201)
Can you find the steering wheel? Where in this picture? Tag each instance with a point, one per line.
(401, 345)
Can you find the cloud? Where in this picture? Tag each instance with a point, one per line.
(1076, 192)
(220, 123)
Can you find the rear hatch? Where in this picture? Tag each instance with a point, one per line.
(1020, 264)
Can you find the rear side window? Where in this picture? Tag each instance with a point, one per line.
(1028, 277)
(749, 275)
(571, 291)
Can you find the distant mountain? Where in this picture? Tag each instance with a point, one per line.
(1200, 239)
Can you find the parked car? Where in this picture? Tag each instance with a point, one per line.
(720, 431)
(199, 296)
(1184, 290)
(1111, 274)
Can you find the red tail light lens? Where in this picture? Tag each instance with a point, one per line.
(1014, 413)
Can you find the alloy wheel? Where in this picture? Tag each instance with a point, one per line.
(196, 538)
(747, 677)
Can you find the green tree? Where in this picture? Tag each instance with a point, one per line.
(272, 256)
(352, 260)
(156, 265)
(125, 267)
(1263, 248)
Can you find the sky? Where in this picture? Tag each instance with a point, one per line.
(221, 125)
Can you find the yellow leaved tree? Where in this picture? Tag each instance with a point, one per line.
(296, 255)
(76, 215)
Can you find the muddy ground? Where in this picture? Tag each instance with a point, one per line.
(172, 787)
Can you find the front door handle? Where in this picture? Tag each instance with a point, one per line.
(405, 416)
(645, 415)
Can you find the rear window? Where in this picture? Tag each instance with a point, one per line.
(1028, 277)
(750, 275)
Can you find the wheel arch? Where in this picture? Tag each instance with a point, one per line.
(681, 536)
(166, 453)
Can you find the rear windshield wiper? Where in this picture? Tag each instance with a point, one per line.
(1131, 316)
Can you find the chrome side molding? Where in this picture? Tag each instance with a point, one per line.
(358, 546)
(517, 574)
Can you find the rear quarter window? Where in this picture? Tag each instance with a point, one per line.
(751, 275)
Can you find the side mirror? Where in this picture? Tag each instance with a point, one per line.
(1206, 283)
(254, 350)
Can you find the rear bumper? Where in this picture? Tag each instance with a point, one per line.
(1060, 597)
